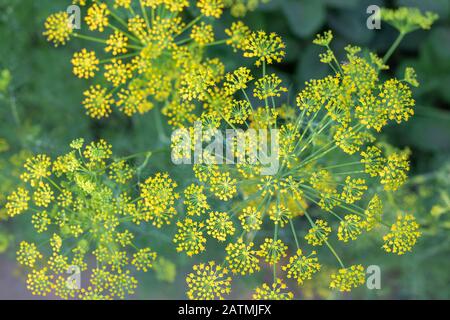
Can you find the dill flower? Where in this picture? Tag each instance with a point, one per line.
(347, 278)
(43, 195)
(122, 3)
(411, 77)
(144, 259)
(403, 235)
(211, 8)
(58, 263)
(58, 29)
(223, 186)
(373, 213)
(373, 160)
(240, 111)
(276, 291)
(311, 98)
(396, 99)
(37, 168)
(17, 202)
(268, 86)
(302, 267)
(266, 48)
(237, 80)
(133, 100)
(120, 172)
(39, 282)
(87, 217)
(91, 294)
(208, 282)
(62, 290)
(242, 258)
(85, 64)
(125, 238)
(189, 237)
(353, 189)
(202, 34)
(237, 33)
(158, 194)
(117, 72)
(272, 250)
(349, 228)
(97, 17)
(250, 219)
(98, 151)
(195, 200)
(324, 39)
(219, 225)
(326, 57)
(77, 144)
(41, 221)
(318, 234)
(280, 215)
(406, 19)
(98, 102)
(28, 254)
(56, 242)
(176, 5)
(117, 43)
(394, 172)
(348, 140)
(122, 284)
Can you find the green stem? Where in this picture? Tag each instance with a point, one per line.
(335, 254)
(216, 43)
(84, 37)
(190, 24)
(294, 233)
(393, 47)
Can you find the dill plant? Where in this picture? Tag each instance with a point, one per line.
(86, 201)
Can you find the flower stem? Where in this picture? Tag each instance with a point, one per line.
(393, 47)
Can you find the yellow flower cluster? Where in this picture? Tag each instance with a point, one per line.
(208, 282)
(158, 199)
(301, 267)
(402, 236)
(276, 291)
(242, 258)
(348, 278)
(86, 216)
(326, 146)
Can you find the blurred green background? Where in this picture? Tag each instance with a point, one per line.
(40, 111)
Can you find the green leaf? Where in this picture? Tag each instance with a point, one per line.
(305, 17)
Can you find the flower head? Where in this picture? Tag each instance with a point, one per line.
(276, 291)
(85, 64)
(302, 267)
(208, 282)
(318, 234)
(242, 258)
(347, 278)
(219, 225)
(211, 8)
(403, 235)
(58, 28)
(266, 48)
